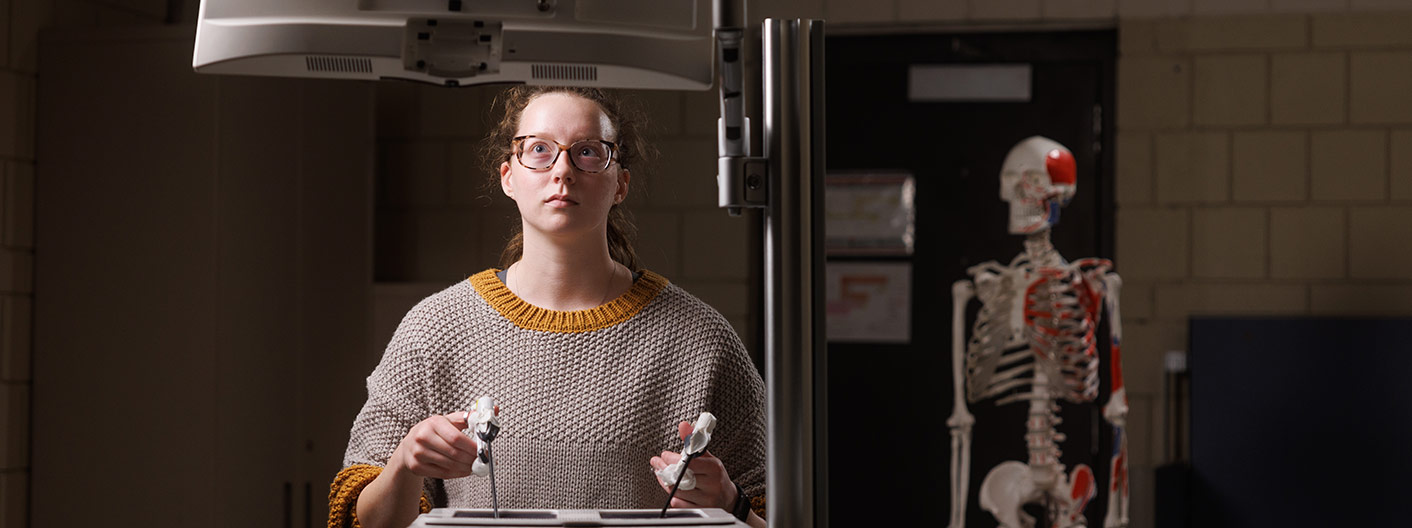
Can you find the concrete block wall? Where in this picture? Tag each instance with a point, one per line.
(1263, 166)
(1264, 152)
(1259, 156)
(20, 24)
(19, 20)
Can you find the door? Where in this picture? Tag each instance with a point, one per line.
(888, 403)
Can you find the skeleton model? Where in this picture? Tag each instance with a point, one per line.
(1033, 341)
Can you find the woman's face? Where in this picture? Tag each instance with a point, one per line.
(563, 200)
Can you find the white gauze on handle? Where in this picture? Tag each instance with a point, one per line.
(483, 416)
(695, 445)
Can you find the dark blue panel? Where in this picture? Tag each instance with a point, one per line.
(1301, 421)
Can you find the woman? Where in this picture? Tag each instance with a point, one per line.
(595, 362)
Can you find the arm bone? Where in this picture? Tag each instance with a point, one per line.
(961, 419)
(1116, 411)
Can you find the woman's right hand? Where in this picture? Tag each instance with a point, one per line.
(437, 448)
(434, 448)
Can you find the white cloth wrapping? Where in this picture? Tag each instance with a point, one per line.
(479, 419)
(695, 444)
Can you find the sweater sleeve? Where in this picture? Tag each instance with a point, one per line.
(736, 395)
(397, 396)
(343, 495)
(397, 400)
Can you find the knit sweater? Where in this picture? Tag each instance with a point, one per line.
(586, 397)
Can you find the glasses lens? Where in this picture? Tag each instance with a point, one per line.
(590, 155)
(536, 153)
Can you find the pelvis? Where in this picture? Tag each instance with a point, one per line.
(1011, 485)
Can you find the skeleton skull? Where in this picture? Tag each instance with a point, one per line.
(1037, 179)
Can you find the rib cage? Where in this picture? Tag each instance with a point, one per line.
(1060, 318)
(1035, 320)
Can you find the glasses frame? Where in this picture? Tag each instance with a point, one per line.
(518, 141)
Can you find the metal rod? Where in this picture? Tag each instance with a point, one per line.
(494, 496)
(794, 345)
(812, 60)
(673, 493)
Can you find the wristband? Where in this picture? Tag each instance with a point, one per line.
(742, 504)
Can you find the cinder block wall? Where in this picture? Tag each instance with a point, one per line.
(1264, 150)
(17, 133)
(1264, 168)
(20, 24)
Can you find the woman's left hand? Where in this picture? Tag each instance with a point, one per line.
(714, 488)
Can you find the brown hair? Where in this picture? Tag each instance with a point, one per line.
(633, 150)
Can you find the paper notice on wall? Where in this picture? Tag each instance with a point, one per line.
(869, 302)
(869, 213)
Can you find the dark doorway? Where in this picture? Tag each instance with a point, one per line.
(888, 403)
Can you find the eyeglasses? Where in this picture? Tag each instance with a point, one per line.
(589, 155)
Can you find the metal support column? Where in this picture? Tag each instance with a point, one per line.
(794, 273)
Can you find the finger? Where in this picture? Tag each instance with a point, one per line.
(705, 493)
(693, 498)
(427, 462)
(669, 457)
(707, 466)
(437, 466)
(683, 430)
(679, 502)
(449, 423)
(439, 472)
(465, 447)
(453, 448)
(657, 463)
(432, 441)
(459, 419)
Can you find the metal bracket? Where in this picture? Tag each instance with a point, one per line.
(742, 182)
(452, 49)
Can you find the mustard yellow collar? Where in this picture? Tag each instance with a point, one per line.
(531, 317)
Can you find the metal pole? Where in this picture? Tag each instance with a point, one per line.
(794, 343)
